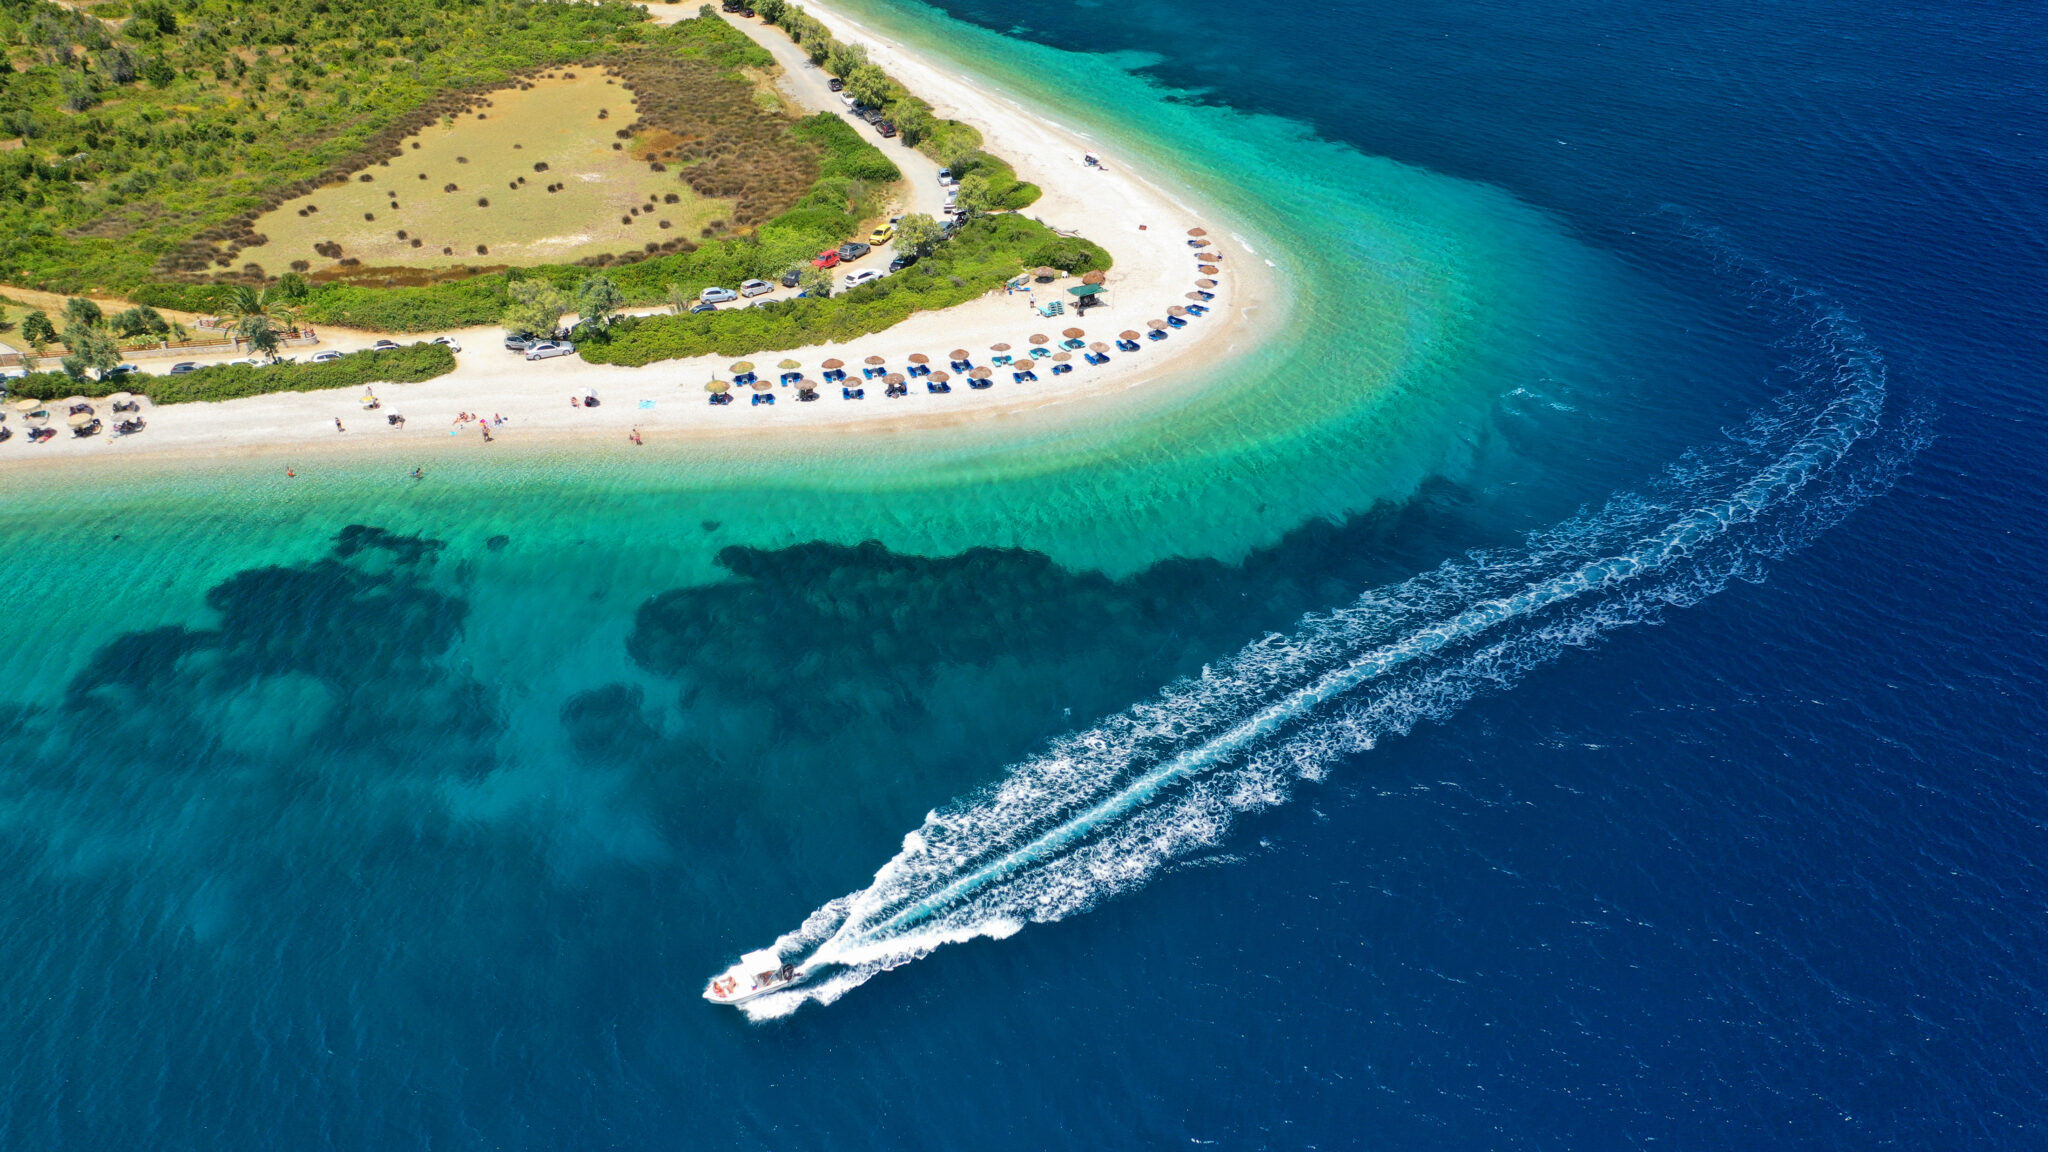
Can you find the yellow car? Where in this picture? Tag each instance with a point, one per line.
(880, 236)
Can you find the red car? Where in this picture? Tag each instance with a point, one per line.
(826, 259)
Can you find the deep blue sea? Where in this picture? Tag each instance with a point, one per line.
(1665, 771)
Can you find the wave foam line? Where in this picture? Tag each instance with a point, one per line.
(1103, 809)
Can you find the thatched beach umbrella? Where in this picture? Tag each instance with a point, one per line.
(919, 358)
(1063, 357)
(1207, 270)
(1098, 346)
(27, 405)
(1073, 333)
(959, 353)
(1199, 243)
(1205, 283)
(893, 379)
(717, 386)
(1094, 278)
(743, 367)
(981, 373)
(1194, 296)
(1176, 310)
(999, 347)
(1198, 231)
(789, 365)
(807, 385)
(1044, 273)
(762, 385)
(1155, 325)
(1127, 334)
(80, 420)
(940, 375)
(872, 360)
(833, 365)
(1040, 338)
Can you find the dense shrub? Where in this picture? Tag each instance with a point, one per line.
(976, 261)
(230, 381)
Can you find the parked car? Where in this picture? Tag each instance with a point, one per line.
(179, 369)
(945, 175)
(887, 130)
(792, 278)
(696, 308)
(852, 250)
(384, 346)
(448, 342)
(864, 276)
(847, 99)
(755, 287)
(837, 84)
(519, 341)
(252, 362)
(826, 259)
(550, 348)
(327, 357)
(872, 115)
(717, 295)
(882, 234)
(903, 261)
(119, 371)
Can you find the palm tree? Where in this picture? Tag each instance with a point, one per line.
(258, 316)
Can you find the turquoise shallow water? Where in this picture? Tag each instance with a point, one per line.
(355, 811)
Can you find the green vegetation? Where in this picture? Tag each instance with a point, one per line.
(153, 135)
(145, 136)
(233, 381)
(951, 143)
(977, 260)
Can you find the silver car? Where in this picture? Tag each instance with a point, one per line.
(550, 348)
(755, 287)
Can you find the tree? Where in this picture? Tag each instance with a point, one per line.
(974, 197)
(93, 349)
(815, 280)
(845, 58)
(142, 321)
(159, 72)
(598, 301)
(259, 314)
(918, 233)
(772, 11)
(960, 158)
(536, 308)
(678, 297)
(37, 329)
(868, 84)
(914, 123)
(81, 313)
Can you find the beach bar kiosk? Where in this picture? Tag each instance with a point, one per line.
(1087, 296)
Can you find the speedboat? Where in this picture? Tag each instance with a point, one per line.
(757, 974)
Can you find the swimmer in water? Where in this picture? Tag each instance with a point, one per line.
(417, 474)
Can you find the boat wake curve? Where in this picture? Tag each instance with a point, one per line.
(1102, 810)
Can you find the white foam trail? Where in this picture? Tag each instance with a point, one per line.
(1102, 810)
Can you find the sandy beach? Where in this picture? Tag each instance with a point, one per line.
(1116, 205)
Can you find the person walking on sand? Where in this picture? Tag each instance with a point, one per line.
(337, 425)
(636, 437)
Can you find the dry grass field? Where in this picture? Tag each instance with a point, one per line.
(536, 175)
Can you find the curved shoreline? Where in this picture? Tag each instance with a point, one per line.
(1154, 268)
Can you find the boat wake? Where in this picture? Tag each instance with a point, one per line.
(1102, 810)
